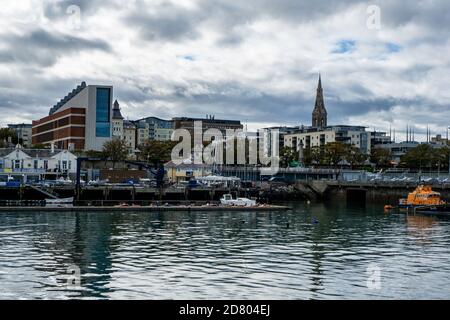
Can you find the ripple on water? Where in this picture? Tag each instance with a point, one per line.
(224, 255)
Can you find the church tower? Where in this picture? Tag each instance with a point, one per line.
(319, 115)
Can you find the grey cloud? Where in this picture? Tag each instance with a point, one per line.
(168, 22)
(44, 48)
(55, 10)
(433, 14)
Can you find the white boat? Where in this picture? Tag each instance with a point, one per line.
(227, 200)
(66, 202)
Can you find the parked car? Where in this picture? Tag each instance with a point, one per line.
(194, 184)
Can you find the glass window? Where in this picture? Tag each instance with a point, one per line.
(103, 128)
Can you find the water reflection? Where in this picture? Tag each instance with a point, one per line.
(421, 227)
(318, 251)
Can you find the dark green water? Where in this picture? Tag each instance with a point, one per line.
(279, 255)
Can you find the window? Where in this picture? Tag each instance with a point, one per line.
(16, 164)
(103, 124)
(35, 164)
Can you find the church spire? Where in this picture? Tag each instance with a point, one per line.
(319, 116)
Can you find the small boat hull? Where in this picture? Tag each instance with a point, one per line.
(443, 210)
(59, 203)
(227, 200)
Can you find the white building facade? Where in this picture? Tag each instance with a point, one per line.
(21, 161)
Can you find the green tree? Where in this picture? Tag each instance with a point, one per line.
(157, 152)
(287, 155)
(94, 154)
(442, 157)
(6, 134)
(423, 156)
(381, 157)
(115, 150)
(317, 155)
(354, 156)
(335, 152)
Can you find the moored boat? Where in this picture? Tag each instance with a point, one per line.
(425, 201)
(422, 196)
(227, 200)
(66, 202)
(440, 210)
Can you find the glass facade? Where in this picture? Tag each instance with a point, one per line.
(103, 114)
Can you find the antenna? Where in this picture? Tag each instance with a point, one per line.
(407, 131)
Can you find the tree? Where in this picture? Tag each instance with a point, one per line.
(317, 155)
(422, 156)
(442, 157)
(381, 157)
(6, 134)
(40, 146)
(94, 154)
(354, 156)
(116, 150)
(157, 152)
(287, 156)
(335, 152)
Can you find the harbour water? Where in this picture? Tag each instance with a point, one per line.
(317, 251)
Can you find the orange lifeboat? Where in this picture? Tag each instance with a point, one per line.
(422, 196)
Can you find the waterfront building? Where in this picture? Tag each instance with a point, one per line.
(439, 140)
(378, 138)
(269, 135)
(142, 132)
(398, 150)
(129, 136)
(159, 129)
(309, 137)
(208, 123)
(20, 161)
(23, 132)
(186, 171)
(82, 120)
(117, 121)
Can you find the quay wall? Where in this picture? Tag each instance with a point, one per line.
(387, 193)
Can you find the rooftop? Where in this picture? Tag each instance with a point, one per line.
(67, 98)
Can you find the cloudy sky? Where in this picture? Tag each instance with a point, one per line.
(255, 60)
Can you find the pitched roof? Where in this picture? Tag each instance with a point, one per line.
(116, 111)
(33, 153)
